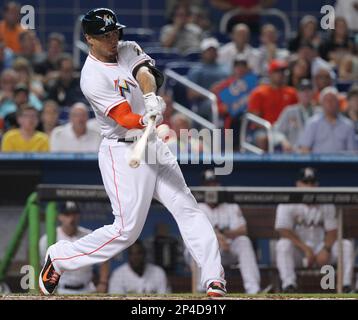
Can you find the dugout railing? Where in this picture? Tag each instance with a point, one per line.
(49, 194)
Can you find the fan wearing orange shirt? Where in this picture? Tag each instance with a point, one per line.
(10, 27)
(268, 100)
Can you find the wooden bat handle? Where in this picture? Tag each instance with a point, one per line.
(139, 148)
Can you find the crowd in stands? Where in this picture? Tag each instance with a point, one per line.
(305, 86)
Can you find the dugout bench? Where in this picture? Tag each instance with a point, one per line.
(260, 222)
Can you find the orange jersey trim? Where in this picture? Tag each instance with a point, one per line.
(123, 115)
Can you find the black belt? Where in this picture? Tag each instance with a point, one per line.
(71, 287)
(131, 140)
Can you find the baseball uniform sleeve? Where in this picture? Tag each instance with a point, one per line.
(133, 55)
(237, 219)
(284, 217)
(330, 218)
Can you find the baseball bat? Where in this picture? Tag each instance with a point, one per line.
(139, 148)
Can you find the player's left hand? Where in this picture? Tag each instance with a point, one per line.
(323, 257)
(158, 117)
(153, 102)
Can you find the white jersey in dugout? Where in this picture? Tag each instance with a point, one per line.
(106, 85)
(310, 222)
(224, 216)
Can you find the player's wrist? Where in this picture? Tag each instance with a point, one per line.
(327, 248)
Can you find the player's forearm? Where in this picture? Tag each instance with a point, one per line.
(146, 80)
(234, 233)
(104, 273)
(290, 235)
(330, 238)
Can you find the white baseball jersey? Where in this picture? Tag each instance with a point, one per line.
(224, 216)
(309, 222)
(124, 280)
(73, 278)
(130, 190)
(106, 85)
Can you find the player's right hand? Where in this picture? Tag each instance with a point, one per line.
(153, 102)
(158, 117)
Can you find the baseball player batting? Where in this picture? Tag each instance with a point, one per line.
(119, 80)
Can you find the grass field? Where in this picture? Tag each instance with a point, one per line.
(183, 297)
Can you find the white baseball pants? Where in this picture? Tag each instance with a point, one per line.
(242, 249)
(130, 192)
(241, 252)
(288, 257)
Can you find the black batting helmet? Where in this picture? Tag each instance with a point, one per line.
(99, 21)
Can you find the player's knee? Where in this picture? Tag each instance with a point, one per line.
(284, 246)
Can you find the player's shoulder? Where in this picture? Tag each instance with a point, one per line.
(287, 207)
(129, 48)
(82, 231)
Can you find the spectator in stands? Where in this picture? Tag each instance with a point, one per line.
(79, 281)
(65, 90)
(169, 110)
(352, 107)
(293, 118)
(307, 33)
(48, 61)
(308, 237)
(308, 52)
(181, 127)
(298, 69)
(20, 98)
(181, 34)
(249, 9)
(208, 72)
(27, 77)
(232, 95)
(329, 131)
(349, 10)
(137, 275)
(269, 49)
(26, 138)
(49, 117)
(338, 44)
(6, 56)
(8, 81)
(348, 68)
(231, 231)
(21, 95)
(200, 17)
(75, 136)
(324, 78)
(268, 100)
(240, 36)
(10, 27)
(30, 47)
